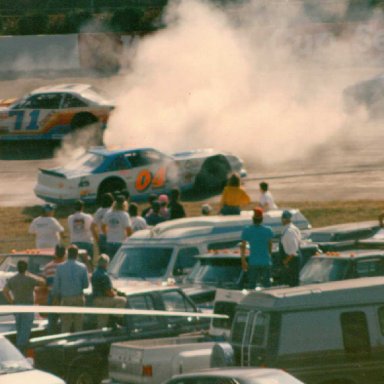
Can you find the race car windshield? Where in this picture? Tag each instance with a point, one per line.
(85, 162)
(321, 270)
(11, 360)
(140, 263)
(221, 273)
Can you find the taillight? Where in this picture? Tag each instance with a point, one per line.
(147, 370)
(30, 354)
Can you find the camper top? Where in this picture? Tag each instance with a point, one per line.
(211, 225)
(316, 296)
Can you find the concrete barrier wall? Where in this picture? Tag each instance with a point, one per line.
(36, 53)
(55, 53)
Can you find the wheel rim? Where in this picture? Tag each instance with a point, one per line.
(84, 378)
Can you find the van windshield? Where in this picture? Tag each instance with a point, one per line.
(219, 273)
(142, 263)
(321, 270)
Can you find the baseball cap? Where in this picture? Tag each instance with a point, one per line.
(286, 215)
(48, 207)
(163, 199)
(258, 212)
(206, 209)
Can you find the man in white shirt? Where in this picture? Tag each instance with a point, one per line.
(46, 228)
(266, 199)
(138, 222)
(289, 249)
(82, 229)
(106, 205)
(116, 226)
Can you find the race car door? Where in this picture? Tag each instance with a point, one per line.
(153, 170)
(26, 119)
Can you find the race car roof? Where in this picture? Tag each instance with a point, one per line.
(70, 87)
(113, 152)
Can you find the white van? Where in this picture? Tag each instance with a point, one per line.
(167, 251)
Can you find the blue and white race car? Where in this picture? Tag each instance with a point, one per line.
(140, 171)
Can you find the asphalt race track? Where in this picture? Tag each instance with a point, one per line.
(350, 166)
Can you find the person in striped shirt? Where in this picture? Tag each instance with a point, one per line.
(49, 273)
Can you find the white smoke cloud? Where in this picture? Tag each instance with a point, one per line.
(229, 78)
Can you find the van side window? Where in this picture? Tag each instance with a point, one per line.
(238, 327)
(355, 332)
(259, 328)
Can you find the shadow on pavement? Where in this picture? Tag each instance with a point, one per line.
(26, 150)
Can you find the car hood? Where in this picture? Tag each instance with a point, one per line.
(31, 376)
(128, 286)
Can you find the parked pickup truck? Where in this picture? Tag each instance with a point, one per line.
(82, 357)
(156, 360)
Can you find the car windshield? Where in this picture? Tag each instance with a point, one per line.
(86, 161)
(97, 96)
(321, 270)
(11, 360)
(220, 273)
(143, 263)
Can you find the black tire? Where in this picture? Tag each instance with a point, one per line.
(110, 185)
(84, 375)
(222, 356)
(213, 174)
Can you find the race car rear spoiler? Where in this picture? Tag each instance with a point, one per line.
(52, 172)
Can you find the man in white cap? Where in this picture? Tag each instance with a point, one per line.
(46, 228)
(289, 249)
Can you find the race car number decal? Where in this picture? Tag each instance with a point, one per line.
(33, 119)
(144, 179)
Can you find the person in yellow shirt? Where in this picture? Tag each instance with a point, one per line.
(233, 197)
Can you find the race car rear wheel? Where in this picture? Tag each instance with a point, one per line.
(110, 185)
(213, 174)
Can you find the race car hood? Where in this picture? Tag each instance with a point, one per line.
(65, 173)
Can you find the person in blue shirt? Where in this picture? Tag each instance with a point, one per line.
(104, 295)
(70, 280)
(259, 237)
